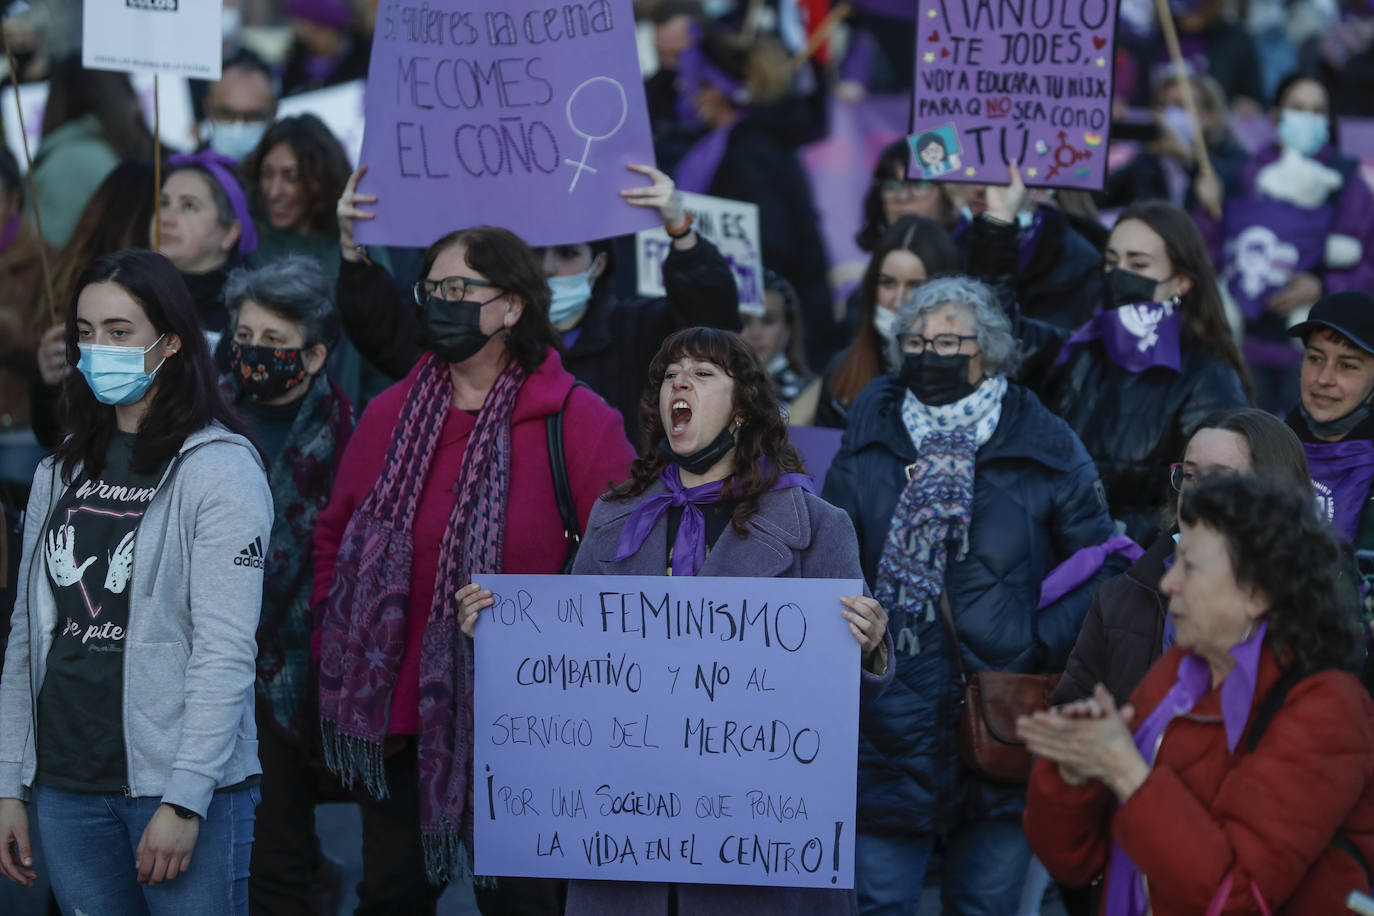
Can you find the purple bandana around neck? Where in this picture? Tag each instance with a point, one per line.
(1341, 474)
(1125, 891)
(689, 548)
(222, 168)
(9, 232)
(1136, 337)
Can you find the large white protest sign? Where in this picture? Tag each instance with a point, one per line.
(731, 225)
(689, 729)
(180, 37)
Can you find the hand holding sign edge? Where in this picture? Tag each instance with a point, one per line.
(347, 211)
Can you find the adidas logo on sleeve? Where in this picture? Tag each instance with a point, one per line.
(251, 555)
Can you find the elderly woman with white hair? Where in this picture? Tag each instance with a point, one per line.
(966, 493)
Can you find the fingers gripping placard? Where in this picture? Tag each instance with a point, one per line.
(1026, 81)
(509, 112)
(657, 729)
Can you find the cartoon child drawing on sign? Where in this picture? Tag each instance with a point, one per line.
(937, 151)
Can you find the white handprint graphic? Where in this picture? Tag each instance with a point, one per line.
(61, 563)
(121, 565)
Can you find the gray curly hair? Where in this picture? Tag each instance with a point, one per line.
(1000, 349)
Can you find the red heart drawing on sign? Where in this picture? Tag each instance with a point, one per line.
(944, 52)
(934, 36)
(1099, 42)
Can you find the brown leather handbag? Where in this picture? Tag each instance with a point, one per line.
(991, 704)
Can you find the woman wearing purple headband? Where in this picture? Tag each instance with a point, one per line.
(206, 231)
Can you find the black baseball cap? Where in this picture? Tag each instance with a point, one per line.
(1350, 314)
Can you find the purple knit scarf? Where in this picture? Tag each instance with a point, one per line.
(364, 627)
(689, 547)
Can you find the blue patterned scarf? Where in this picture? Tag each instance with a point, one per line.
(936, 508)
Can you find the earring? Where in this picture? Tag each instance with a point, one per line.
(1177, 300)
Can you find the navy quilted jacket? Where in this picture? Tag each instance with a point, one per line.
(1036, 501)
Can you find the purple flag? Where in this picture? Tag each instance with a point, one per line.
(1267, 242)
(1013, 81)
(504, 112)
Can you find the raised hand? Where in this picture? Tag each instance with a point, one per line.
(662, 195)
(61, 562)
(348, 211)
(121, 565)
(1004, 201)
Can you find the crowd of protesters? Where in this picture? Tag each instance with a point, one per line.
(251, 471)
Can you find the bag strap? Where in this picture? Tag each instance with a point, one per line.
(952, 636)
(562, 490)
(1268, 708)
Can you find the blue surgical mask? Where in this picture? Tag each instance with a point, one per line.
(570, 295)
(1303, 131)
(236, 139)
(116, 374)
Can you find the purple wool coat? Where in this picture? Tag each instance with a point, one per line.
(795, 534)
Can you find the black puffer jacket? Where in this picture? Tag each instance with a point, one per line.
(1035, 503)
(618, 337)
(1133, 425)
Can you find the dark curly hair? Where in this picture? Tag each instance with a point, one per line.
(503, 258)
(1279, 544)
(323, 166)
(763, 434)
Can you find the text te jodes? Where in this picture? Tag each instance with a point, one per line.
(657, 729)
(1028, 81)
(510, 112)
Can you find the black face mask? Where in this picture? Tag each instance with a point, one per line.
(454, 330)
(704, 458)
(936, 380)
(1338, 428)
(1126, 288)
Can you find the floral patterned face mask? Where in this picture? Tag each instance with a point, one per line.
(266, 372)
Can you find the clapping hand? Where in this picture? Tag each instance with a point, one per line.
(1089, 739)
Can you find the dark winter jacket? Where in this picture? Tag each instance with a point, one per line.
(611, 354)
(1123, 634)
(1036, 501)
(1133, 425)
(1059, 275)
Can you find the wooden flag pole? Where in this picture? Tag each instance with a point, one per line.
(28, 171)
(157, 170)
(1185, 82)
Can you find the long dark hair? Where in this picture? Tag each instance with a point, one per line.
(1279, 544)
(924, 238)
(763, 434)
(186, 396)
(323, 168)
(892, 165)
(503, 258)
(116, 217)
(1204, 317)
(74, 92)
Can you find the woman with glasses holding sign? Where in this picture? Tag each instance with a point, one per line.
(966, 493)
(719, 492)
(607, 341)
(448, 473)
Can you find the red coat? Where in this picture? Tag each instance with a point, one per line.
(597, 456)
(1202, 812)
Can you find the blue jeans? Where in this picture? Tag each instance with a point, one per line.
(88, 852)
(985, 870)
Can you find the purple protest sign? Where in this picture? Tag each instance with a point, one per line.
(1018, 80)
(512, 113)
(660, 728)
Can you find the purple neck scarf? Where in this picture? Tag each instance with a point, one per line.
(1136, 337)
(8, 233)
(689, 548)
(1341, 474)
(222, 168)
(1125, 891)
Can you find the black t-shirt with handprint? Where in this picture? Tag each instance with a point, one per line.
(88, 551)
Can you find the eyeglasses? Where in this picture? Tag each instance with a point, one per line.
(452, 289)
(942, 344)
(895, 187)
(1184, 474)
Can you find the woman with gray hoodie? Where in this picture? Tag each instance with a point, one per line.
(126, 700)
